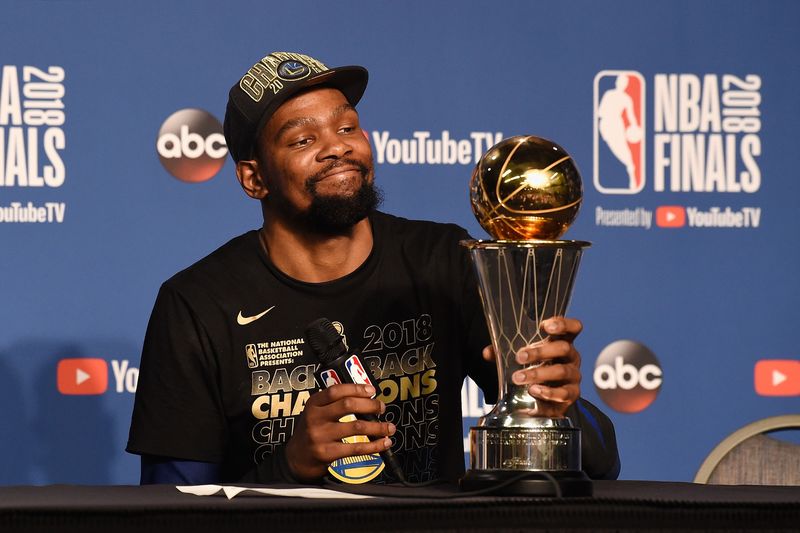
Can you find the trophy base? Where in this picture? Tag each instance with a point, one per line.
(542, 448)
(568, 484)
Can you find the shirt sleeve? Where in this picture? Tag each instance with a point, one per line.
(483, 372)
(161, 470)
(177, 410)
(165, 470)
(599, 453)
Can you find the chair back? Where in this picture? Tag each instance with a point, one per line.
(751, 457)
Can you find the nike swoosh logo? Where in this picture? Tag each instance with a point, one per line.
(244, 320)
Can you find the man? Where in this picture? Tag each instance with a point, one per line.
(226, 389)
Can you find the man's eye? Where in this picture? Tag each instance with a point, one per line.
(301, 142)
(347, 129)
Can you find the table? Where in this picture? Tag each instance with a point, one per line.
(615, 506)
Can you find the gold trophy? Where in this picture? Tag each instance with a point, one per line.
(525, 192)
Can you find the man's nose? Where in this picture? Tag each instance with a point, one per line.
(334, 146)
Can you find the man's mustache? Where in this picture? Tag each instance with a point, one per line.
(312, 180)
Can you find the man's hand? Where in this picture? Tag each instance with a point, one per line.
(556, 382)
(317, 438)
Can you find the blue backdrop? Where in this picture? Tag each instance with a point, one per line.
(91, 221)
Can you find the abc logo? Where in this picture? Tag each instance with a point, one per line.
(191, 145)
(627, 376)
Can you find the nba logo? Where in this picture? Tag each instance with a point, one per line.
(356, 371)
(619, 141)
(252, 357)
(330, 378)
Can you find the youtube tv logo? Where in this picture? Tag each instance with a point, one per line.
(82, 376)
(670, 216)
(777, 377)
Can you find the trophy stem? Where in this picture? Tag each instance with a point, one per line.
(522, 283)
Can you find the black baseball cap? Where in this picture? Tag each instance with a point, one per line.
(272, 81)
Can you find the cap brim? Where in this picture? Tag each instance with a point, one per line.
(352, 81)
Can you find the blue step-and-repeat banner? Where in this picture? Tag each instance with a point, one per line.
(683, 117)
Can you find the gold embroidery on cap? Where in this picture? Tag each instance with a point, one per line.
(263, 76)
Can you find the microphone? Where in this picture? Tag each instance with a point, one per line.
(338, 365)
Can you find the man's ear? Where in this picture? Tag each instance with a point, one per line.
(251, 180)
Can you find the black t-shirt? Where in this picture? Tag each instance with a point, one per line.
(225, 373)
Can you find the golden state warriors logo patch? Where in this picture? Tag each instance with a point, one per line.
(293, 70)
(360, 468)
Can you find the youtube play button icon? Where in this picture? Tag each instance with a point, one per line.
(777, 377)
(81, 376)
(670, 216)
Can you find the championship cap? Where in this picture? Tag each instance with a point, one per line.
(272, 81)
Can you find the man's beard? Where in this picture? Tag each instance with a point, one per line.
(333, 214)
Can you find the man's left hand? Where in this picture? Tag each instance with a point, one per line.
(552, 369)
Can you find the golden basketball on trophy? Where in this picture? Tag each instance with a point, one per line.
(524, 188)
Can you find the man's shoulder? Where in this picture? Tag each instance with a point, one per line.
(231, 260)
(395, 227)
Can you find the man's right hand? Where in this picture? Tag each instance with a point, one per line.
(317, 438)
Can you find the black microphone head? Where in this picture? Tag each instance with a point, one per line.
(324, 340)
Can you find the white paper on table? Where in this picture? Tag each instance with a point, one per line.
(232, 491)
